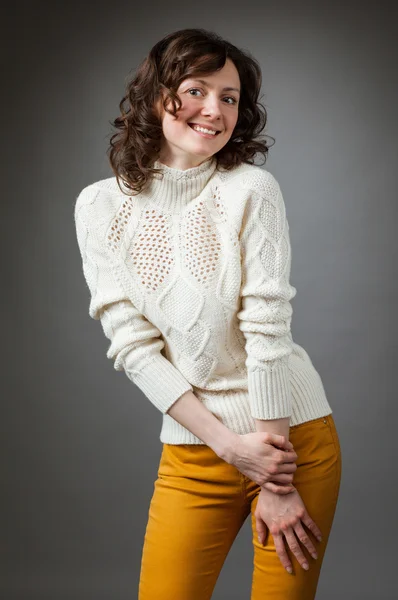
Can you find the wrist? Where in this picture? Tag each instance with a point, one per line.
(290, 486)
(225, 446)
(278, 426)
(192, 414)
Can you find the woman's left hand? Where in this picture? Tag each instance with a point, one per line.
(284, 515)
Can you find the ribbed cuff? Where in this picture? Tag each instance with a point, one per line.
(162, 383)
(270, 393)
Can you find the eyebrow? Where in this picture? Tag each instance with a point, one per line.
(226, 89)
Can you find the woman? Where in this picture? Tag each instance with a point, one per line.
(186, 252)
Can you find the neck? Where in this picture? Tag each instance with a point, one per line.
(181, 163)
(177, 187)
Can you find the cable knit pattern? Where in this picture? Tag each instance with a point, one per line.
(190, 280)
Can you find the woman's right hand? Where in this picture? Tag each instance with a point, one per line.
(266, 458)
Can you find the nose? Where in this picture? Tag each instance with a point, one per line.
(212, 106)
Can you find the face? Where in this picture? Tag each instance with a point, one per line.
(207, 102)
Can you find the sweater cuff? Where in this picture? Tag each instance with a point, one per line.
(270, 393)
(162, 383)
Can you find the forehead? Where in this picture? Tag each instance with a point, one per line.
(228, 77)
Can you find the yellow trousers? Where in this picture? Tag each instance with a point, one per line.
(200, 502)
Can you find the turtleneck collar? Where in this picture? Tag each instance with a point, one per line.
(177, 187)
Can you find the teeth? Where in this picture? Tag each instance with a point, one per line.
(203, 130)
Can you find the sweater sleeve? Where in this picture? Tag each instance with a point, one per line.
(265, 315)
(136, 343)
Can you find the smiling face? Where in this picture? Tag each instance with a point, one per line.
(209, 102)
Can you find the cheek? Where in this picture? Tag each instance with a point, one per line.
(169, 128)
(183, 114)
(234, 119)
(187, 109)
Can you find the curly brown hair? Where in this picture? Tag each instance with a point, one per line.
(179, 55)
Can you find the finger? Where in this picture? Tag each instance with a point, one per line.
(280, 441)
(261, 530)
(282, 478)
(288, 456)
(281, 551)
(279, 489)
(305, 540)
(290, 467)
(295, 548)
(308, 522)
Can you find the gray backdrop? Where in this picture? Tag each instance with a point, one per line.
(80, 443)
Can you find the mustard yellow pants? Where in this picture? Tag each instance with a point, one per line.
(200, 502)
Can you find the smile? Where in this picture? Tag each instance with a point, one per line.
(206, 133)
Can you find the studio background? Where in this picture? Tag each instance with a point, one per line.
(79, 442)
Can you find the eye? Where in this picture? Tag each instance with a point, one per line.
(193, 90)
(231, 98)
(198, 90)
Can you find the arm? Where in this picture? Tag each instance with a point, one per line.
(266, 312)
(280, 426)
(191, 413)
(136, 343)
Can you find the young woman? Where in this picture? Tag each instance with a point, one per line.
(187, 256)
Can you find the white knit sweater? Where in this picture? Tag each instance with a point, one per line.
(190, 280)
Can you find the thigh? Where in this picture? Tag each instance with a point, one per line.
(317, 480)
(195, 513)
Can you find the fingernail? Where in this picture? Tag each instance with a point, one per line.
(314, 555)
(320, 538)
(306, 566)
(289, 570)
(259, 539)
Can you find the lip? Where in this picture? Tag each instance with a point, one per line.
(205, 126)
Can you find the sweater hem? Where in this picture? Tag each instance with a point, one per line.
(237, 417)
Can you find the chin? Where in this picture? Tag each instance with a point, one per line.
(205, 149)
(199, 153)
